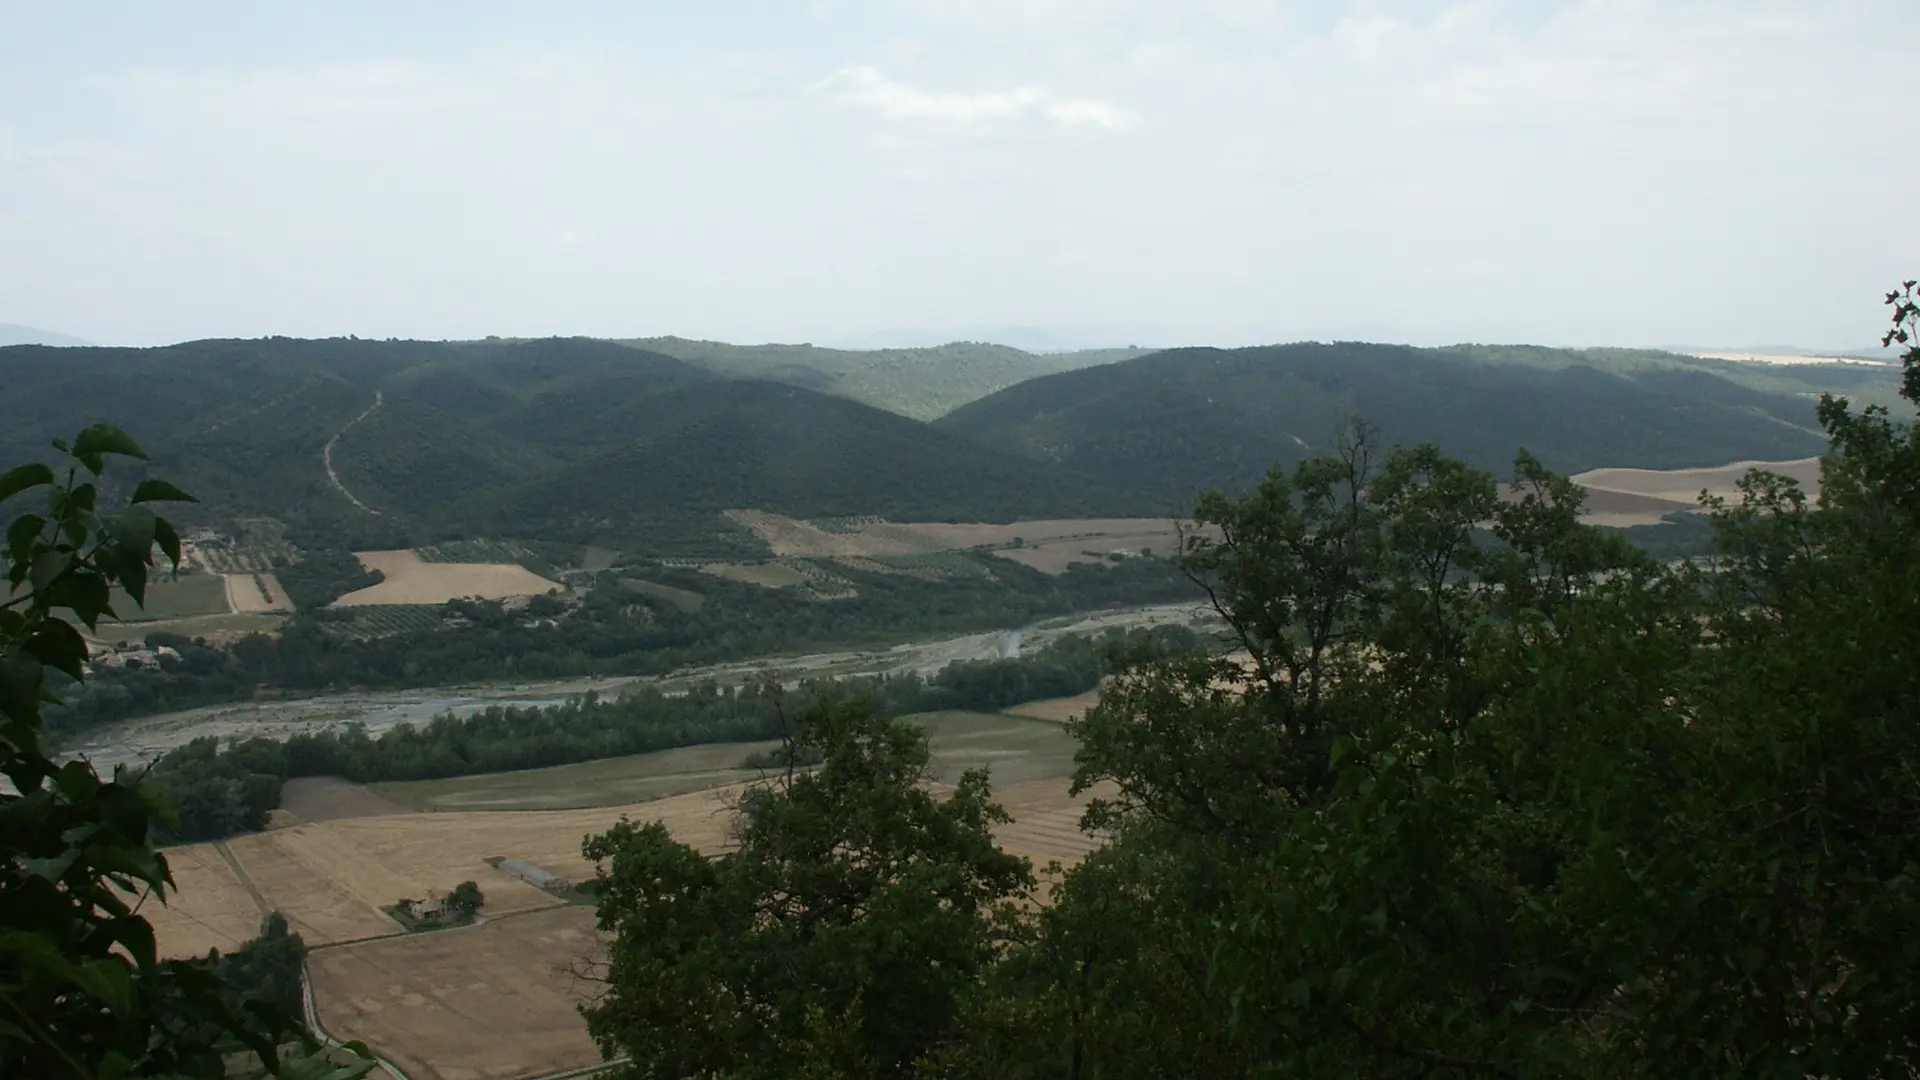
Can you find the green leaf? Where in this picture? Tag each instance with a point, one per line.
(159, 491)
(57, 644)
(26, 476)
(20, 680)
(47, 566)
(168, 540)
(105, 439)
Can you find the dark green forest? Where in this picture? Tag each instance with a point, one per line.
(1188, 420)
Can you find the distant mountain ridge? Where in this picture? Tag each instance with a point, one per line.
(1180, 421)
(572, 440)
(15, 334)
(577, 440)
(922, 383)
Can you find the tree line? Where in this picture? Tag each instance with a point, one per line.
(218, 790)
(611, 631)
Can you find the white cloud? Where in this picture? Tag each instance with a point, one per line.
(867, 88)
(1088, 113)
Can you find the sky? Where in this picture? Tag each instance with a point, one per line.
(1052, 172)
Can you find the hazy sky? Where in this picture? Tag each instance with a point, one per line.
(1166, 171)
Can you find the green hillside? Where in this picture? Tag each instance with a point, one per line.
(1176, 422)
(576, 441)
(922, 383)
(571, 440)
(713, 447)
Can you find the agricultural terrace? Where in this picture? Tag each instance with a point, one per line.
(412, 580)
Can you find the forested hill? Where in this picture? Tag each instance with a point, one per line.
(919, 382)
(573, 440)
(1176, 422)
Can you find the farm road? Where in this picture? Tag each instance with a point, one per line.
(326, 455)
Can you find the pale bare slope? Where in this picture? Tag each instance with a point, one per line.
(1685, 485)
(410, 580)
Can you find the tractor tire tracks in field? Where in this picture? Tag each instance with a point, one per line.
(326, 455)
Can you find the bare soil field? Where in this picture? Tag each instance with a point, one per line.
(256, 593)
(411, 580)
(1685, 485)
(494, 1001)
(863, 536)
(1621, 509)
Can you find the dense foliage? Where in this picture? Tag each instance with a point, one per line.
(837, 938)
(1483, 792)
(83, 991)
(219, 791)
(323, 576)
(268, 968)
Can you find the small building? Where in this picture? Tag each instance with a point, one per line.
(437, 905)
(537, 876)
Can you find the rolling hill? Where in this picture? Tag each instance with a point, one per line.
(563, 439)
(921, 383)
(578, 441)
(1173, 423)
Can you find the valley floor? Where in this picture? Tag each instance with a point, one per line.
(147, 738)
(496, 1000)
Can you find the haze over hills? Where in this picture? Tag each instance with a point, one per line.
(919, 382)
(15, 334)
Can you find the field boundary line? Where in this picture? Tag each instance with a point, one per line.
(319, 1030)
(246, 881)
(326, 455)
(557, 903)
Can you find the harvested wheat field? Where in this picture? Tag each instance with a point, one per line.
(410, 580)
(210, 907)
(1046, 821)
(494, 1001)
